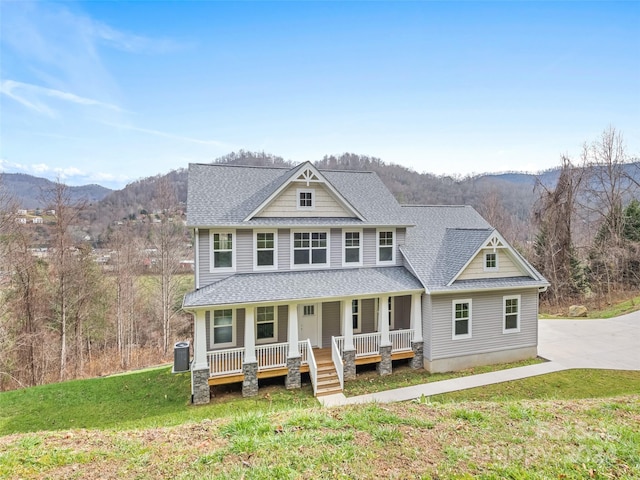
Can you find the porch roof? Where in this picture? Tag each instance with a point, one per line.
(303, 285)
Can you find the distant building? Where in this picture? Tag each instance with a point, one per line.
(37, 219)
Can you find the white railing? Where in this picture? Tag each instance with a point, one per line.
(337, 361)
(272, 355)
(367, 344)
(340, 344)
(400, 340)
(304, 352)
(313, 367)
(225, 362)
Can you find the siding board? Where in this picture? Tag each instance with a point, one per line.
(506, 267)
(283, 322)
(335, 241)
(369, 247)
(284, 249)
(286, 204)
(330, 322)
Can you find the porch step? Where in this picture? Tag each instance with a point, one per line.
(328, 381)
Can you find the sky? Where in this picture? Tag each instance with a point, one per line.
(110, 92)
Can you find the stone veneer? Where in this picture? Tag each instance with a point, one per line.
(250, 382)
(293, 373)
(417, 361)
(200, 386)
(349, 362)
(384, 367)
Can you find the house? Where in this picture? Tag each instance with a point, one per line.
(310, 271)
(37, 220)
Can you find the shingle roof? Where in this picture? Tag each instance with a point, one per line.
(227, 194)
(301, 285)
(490, 283)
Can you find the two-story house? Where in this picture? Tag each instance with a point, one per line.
(305, 270)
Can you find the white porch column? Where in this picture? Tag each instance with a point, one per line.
(249, 336)
(383, 320)
(199, 341)
(347, 325)
(292, 331)
(416, 316)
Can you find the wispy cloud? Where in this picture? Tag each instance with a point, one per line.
(170, 135)
(70, 174)
(31, 97)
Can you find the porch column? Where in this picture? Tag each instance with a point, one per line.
(250, 365)
(348, 349)
(200, 392)
(416, 316)
(385, 365)
(293, 357)
(417, 343)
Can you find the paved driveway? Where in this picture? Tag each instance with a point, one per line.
(608, 344)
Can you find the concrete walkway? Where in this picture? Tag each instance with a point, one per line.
(607, 344)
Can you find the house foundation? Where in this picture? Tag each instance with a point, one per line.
(349, 364)
(469, 361)
(293, 373)
(250, 382)
(417, 362)
(200, 387)
(385, 365)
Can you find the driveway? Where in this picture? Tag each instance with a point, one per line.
(608, 344)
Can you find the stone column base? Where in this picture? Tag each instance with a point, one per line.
(293, 373)
(200, 387)
(417, 362)
(250, 382)
(349, 364)
(384, 367)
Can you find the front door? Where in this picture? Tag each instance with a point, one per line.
(308, 323)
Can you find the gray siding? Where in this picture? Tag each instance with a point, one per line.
(402, 312)
(330, 322)
(369, 252)
(240, 327)
(244, 251)
(486, 321)
(335, 242)
(427, 324)
(283, 322)
(401, 235)
(284, 249)
(368, 315)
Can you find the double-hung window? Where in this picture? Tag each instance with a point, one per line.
(222, 250)
(310, 248)
(222, 328)
(461, 319)
(265, 250)
(265, 324)
(511, 314)
(386, 247)
(352, 249)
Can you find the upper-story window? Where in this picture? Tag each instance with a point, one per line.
(386, 247)
(265, 250)
(306, 199)
(490, 261)
(352, 255)
(223, 253)
(310, 248)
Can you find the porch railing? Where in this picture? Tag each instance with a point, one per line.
(366, 344)
(272, 355)
(303, 346)
(313, 367)
(224, 362)
(400, 340)
(337, 361)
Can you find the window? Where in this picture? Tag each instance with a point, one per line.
(223, 250)
(306, 199)
(265, 324)
(222, 328)
(309, 310)
(355, 315)
(490, 261)
(265, 250)
(310, 248)
(352, 250)
(461, 319)
(386, 250)
(511, 314)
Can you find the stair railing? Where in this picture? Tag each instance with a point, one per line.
(337, 361)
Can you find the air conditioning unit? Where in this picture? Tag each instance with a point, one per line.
(181, 357)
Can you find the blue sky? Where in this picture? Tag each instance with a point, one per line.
(109, 92)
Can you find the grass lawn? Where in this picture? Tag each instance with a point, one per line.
(621, 308)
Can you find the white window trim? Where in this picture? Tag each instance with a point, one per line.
(393, 246)
(216, 346)
(344, 248)
(313, 198)
(307, 266)
(234, 249)
(359, 314)
(484, 263)
(504, 313)
(453, 319)
(273, 339)
(275, 250)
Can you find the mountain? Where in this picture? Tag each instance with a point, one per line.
(27, 190)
